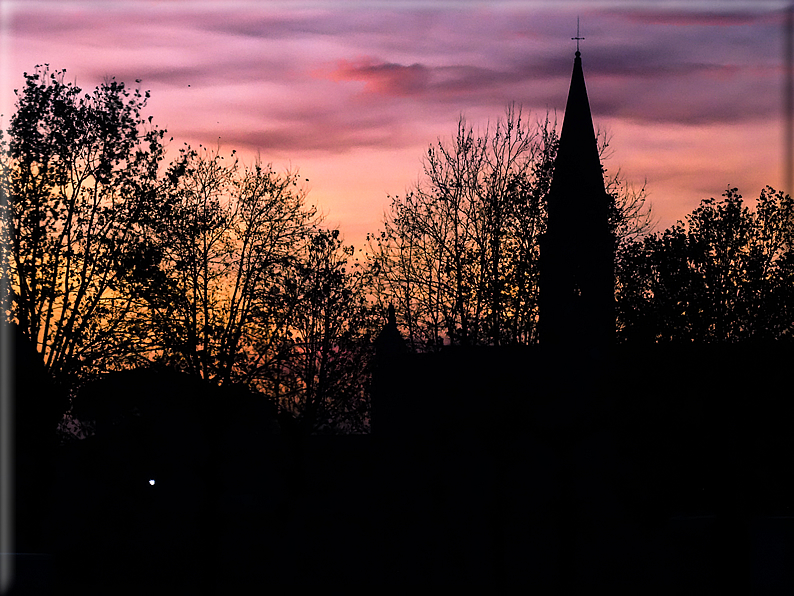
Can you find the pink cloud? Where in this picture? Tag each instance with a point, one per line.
(384, 78)
(327, 82)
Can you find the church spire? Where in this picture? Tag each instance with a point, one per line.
(577, 169)
(577, 251)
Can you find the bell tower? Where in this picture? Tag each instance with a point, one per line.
(578, 249)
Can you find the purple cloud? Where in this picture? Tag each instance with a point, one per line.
(324, 79)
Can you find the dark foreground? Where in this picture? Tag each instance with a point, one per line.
(654, 470)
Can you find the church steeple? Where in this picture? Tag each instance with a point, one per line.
(577, 251)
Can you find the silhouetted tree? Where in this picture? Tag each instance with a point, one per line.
(230, 239)
(324, 375)
(210, 267)
(456, 252)
(459, 255)
(726, 274)
(78, 173)
(631, 216)
(249, 289)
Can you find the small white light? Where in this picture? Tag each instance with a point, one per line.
(151, 481)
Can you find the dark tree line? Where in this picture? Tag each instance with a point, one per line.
(459, 255)
(115, 259)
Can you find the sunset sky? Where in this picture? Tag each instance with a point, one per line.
(352, 93)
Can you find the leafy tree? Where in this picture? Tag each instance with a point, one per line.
(78, 174)
(726, 274)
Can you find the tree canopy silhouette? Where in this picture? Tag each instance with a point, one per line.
(206, 265)
(78, 174)
(725, 274)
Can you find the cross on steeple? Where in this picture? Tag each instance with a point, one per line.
(577, 38)
(577, 287)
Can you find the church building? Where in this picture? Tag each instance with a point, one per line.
(578, 250)
(576, 463)
(498, 431)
